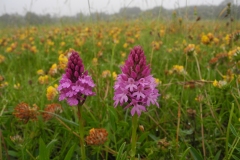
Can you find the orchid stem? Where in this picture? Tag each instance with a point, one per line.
(134, 138)
(81, 132)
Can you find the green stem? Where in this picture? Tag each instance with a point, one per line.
(1, 145)
(134, 138)
(81, 132)
(228, 128)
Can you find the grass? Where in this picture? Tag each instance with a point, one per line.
(197, 118)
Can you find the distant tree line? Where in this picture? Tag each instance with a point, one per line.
(222, 11)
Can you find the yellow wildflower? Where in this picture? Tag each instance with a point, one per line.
(33, 49)
(210, 36)
(123, 54)
(43, 79)
(114, 75)
(106, 73)
(189, 49)
(125, 45)
(99, 44)
(205, 39)
(62, 60)
(2, 58)
(215, 83)
(9, 49)
(157, 81)
(53, 70)
(216, 41)
(62, 44)
(95, 61)
(17, 86)
(227, 39)
(4, 84)
(50, 43)
(156, 44)
(51, 92)
(40, 72)
(178, 69)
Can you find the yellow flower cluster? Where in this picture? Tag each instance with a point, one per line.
(53, 70)
(2, 58)
(52, 92)
(12, 47)
(106, 73)
(114, 75)
(205, 39)
(234, 54)
(157, 81)
(40, 72)
(62, 62)
(189, 49)
(17, 86)
(44, 79)
(219, 84)
(156, 45)
(178, 70)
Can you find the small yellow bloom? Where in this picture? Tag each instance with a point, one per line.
(205, 39)
(62, 44)
(50, 43)
(55, 86)
(40, 72)
(106, 73)
(17, 86)
(114, 75)
(62, 60)
(162, 33)
(227, 39)
(210, 36)
(9, 49)
(43, 79)
(99, 44)
(125, 45)
(33, 49)
(53, 70)
(2, 58)
(157, 81)
(31, 39)
(116, 41)
(95, 61)
(178, 69)
(189, 49)
(216, 41)
(123, 54)
(51, 92)
(4, 84)
(215, 83)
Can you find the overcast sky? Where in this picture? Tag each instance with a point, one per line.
(71, 7)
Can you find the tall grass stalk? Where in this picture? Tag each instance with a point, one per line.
(1, 144)
(228, 129)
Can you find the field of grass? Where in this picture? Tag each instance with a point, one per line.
(195, 64)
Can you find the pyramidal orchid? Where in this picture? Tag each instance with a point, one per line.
(135, 86)
(75, 85)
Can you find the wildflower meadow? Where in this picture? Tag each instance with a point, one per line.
(129, 89)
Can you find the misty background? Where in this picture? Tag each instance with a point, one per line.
(11, 14)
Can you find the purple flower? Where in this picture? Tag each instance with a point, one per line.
(135, 87)
(75, 84)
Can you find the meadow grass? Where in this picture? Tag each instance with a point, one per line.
(196, 66)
